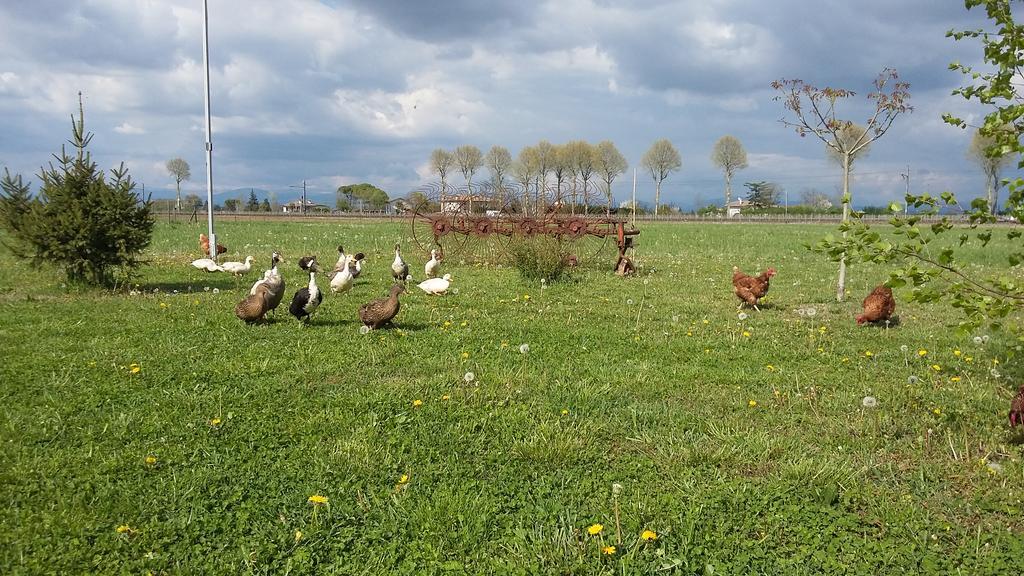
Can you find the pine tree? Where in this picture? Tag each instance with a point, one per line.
(86, 225)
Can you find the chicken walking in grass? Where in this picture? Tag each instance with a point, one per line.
(878, 306)
(1017, 408)
(750, 289)
(204, 245)
(380, 312)
(307, 299)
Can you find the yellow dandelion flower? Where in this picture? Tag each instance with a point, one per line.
(821, 349)
(445, 397)
(770, 368)
(465, 355)
(957, 352)
(504, 343)
(404, 478)
(298, 535)
(752, 403)
(123, 529)
(447, 323)
(150, 460)
(822, 329)
(595, 529)
(565, 412)
(417, 403)
(526, 296)
(163, 305)
(135, 368)
(954, 379)
(922, 353)
(214, 422)
(746, 334)
(968, 358)
(705, 321)
(649, 535)
(937, 411)
(689, 333)
(608, 550)
(869, 354)
(317, 500)
(936, 367)
(845, 359)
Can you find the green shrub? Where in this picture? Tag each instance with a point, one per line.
(537, 258)
(79, 221)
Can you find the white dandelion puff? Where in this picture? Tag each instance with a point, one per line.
(869, 402)
(812, 311)
(984, 339)
(994, 373)
(216, 290)
(364, 329)
(742, 316)
(469, 377)
(524, 348)
(675, 318)
(911, 379)
(977, 340)
(904, 348)
(629, 302)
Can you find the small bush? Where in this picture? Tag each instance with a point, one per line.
(84, 224)
(537, 258)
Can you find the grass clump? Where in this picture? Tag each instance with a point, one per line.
(538, 258)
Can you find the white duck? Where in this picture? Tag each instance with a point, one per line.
(207, 264)
(399, 268)
(238, 268)
(432, 265)
(343, 279)
(436, 286)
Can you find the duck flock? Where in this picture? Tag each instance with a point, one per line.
(268, 292)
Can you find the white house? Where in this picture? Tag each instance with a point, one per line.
(736, 207)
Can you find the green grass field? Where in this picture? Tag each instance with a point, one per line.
(742, 444)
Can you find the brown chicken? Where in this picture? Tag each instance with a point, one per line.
(878, 306)
(204, 245)
(1017, 408)
(750, 289)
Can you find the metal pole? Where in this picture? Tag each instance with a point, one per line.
(303, 197)
(634, 198)
(209, 136)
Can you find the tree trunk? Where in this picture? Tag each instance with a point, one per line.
(657, 199)
(177, 201)
(841, 283)
(728, 192)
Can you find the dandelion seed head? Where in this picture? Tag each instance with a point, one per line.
(811, 311)
(977, 340)
(364, 329)
(904, 348)
(912, 379)
(616, 488)
(629, 302)
(469, 377)
(994, 373)
(869, 402)
(524, 348)
(216, 290)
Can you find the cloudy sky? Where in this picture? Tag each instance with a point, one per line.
(347, 91)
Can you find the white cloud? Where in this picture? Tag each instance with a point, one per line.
(126, 128)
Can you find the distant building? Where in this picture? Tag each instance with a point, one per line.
(736, 207)
(456, 203)
(295, 206)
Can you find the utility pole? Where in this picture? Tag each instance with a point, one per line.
(209, 136)
(633, 204)
(302, 210)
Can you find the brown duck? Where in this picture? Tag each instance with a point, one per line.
(255, 305)
(381, 311)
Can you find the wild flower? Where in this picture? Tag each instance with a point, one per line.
(648, 535)
(770, 368)
(150, 460)
(868, 353)
(214, 422)
(629, 301)
(565, 412)
(689, 333)
(706, 321)
(445, 397)
(317, 500)
(595, 529)
(869, 402)
(675, 318)
(742, 316)
(524, 348)
(364, 329)
(135, 368)
(608, 550)
(977, 340)
(616, 489)
(746, 334)
(403, 479)
(298, 536)
(954, 379)
(465, 355)
(994, 373)
(937, 411)
(904, 348)
(469, 377)
(417, 403)
(124, 529)
(752, 403)
(957, 352)
(936, 367)
(216, 290)
(911, 379)
(811, 311)
(922, 352)
(984, 338)
(163, 305)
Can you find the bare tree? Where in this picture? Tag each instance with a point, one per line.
(528, 165)
(561, 171)
(181, 171)
(661, 159)
(470, 159)
(610, 165)
(979, 151)
(581, 158)
(441, 161)
(814, 112)
(729, 155)
(523, 174)
(547, 156)
(498, 159)
(814, 199)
